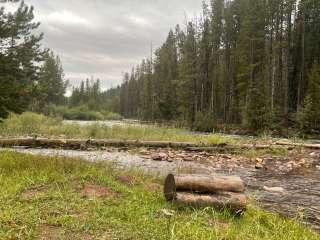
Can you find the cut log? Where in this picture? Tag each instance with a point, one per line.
(201, 184)
(16, 142)
(225, 200)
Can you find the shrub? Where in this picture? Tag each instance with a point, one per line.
(77, 113)
(81, 113)
(309, 115)
(112, 116)
(204, 122)
(27, 123)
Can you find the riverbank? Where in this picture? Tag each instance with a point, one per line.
(35, 125)
(47, 197)
(31, 124)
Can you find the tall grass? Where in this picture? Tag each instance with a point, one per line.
(29, 124)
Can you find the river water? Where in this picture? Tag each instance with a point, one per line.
(300, 197)
(108, 123)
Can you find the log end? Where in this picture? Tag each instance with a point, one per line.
(170, 188)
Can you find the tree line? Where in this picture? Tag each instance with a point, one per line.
(253, 63)
(91, 95)
(32, 77)
(248, 63)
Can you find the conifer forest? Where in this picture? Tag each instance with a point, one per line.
(253, 63)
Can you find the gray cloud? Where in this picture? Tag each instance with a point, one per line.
(103, 38)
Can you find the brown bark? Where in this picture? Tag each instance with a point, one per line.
(80, 144)
(201, 184)
(224, 200)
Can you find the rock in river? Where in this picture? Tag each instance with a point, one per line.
(159, 157)
(259, 166)
(274, 189)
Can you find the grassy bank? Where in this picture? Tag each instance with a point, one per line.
(60, 198)
(34, 124)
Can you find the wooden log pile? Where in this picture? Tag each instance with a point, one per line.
(206, 191)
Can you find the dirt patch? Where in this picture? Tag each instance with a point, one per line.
(76, 185)
(34, 192)
(219, 225)
(48, 232)
(108, 235)
(92, 191)
(82, 236)
(126, 179)
(154, 187)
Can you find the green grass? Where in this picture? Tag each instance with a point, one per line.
(29, 124)
(254, 153)
(41, 197)
(217, 139)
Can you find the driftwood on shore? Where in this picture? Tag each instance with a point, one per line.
(303, 145)
(80, 143)
(83, 144)
(204, 190)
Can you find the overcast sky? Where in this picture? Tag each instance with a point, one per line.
(104, 38)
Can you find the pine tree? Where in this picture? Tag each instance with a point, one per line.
(309, 115)
(165, 79)
(51, 85)
(188, 77)
(20, 56)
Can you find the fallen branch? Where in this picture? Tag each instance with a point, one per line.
(82, 144)
(303, 145)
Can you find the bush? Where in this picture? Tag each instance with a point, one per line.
(309, 115)
(77, 113)
(112, 116)
(27, 123)
(204, 122)
(308, 118)
(81, 113)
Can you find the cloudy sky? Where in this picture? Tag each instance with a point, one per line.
(104, 38)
